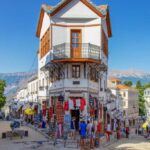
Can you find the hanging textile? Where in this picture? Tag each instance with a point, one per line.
(71, 105)
(78, 102)
(50, 112)
(82, 104)
(66, 106)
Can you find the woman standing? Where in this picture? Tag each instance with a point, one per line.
(127, 132)
(72, 126)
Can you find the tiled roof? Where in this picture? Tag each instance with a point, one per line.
(49, 9)
(114, 79)
(103, 9)
(122, 87)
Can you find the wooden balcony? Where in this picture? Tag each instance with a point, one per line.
(84, 52)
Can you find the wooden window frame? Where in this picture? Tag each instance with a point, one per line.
(76, 71)
(45, 43)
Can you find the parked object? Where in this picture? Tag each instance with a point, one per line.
(15, 124)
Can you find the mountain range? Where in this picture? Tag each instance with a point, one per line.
(131, 75)
(16, 80)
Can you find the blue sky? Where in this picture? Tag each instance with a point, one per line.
(129, 48)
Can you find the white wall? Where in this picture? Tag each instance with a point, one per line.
(92, 35)
(74, 9)
(60, 35)
(45, 25)
(33, 90)
(22, 94)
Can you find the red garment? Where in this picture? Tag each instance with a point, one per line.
(50, 112)
(99, 127)
(66, 106)
(74, 101)
(44, 112)
(82, 104)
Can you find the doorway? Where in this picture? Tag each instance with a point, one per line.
(76, 43)
(76, 114)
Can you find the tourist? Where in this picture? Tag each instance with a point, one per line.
(108, 131)
(72, 127)
(127, 132)
(98, 132)
(91, 133)
(82, 129)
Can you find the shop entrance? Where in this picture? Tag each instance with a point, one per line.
(76, 115)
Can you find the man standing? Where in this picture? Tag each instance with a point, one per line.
(127, 132)
(108, 131)
(82, 133)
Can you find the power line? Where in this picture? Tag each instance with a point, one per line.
(33, 63)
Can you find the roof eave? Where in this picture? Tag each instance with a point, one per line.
(83, 1)
(108, 22)
(40, 23)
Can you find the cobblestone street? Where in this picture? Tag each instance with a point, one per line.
(33, 142)
(134, 143)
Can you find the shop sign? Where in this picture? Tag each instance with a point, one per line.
(76, 82)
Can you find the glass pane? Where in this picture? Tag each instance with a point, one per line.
(73, 45)
(73, 40)
(77, 45)
(77, 34)
(73, 34)
(78, 74)
(77, 40)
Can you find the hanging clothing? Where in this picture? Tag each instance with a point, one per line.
(78, 102)
(71, 105)
(66, 106)
(99, 126)
(60, 130)
(82, 104)
(50, 112)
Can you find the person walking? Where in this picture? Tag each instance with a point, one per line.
(108, 131)
(72, 126)
(98, 131)
(82, 128)
(127, 132)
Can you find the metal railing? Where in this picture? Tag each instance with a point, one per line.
(87, 50)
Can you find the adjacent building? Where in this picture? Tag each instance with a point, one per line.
(147, 101)
(22, 94)
(128, 97)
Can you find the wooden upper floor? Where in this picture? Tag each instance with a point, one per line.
(64, 30)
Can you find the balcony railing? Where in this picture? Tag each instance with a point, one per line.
(83, 50)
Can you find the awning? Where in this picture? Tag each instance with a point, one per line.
(144, 126)
(29, 111)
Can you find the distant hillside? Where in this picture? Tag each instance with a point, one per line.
(132, 75)
(13, 81)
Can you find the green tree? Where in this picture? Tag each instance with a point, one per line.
(140, 88)
(2, 97)
(128, 83)
(147, 85)
(138, 84)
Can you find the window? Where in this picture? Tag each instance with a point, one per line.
(124, 94)
(93, 74)
(124, 103)
(45, 43)
(76, 71)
